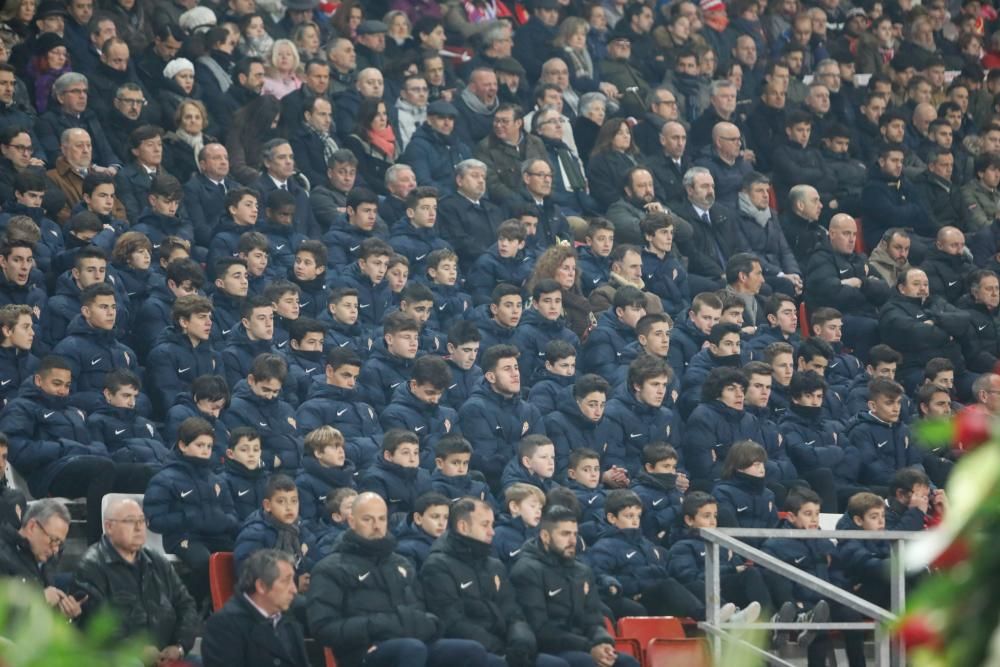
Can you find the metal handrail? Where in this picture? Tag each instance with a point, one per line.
(888, 651)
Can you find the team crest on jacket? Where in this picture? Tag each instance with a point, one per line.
(218, 489)
(496, 579)
(447, 426)
(525, 427)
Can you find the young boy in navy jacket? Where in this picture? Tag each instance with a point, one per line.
(243, 474)
(464, 343)
(397, 476)
(558, 373)
(912, 505)
(504, 262)
(583, 478)
(186, 503)
(450, 303)
(425, 524)
(741, 583)
(128, 437)
(523, 504)
(661, 488)
(336, 511)
(744, 499)
(276, 525)
(638, 564)
(862, 566)
(324, 467)
(535, 464)
(341, 319)
(451, 477)
(813, 557)
(882, 441)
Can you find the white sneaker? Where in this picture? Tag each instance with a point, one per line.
(726, 612)
(749, 614)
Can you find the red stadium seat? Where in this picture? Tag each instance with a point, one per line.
(629, 647)
(803, 320)
(677, 653)
(859, 243)
(221, 578)
(772, 198)
(328, 658)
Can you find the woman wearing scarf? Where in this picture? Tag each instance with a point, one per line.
(374, 143)
(181, 146)
(178, 84)
(569, 185)
(50, 61)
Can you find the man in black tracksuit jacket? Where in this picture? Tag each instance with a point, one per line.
(924, 327)
(364, 602)
(471, 592)
(559, 594)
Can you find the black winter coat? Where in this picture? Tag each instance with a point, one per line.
(239, 635)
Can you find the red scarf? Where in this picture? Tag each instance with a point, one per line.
(384, 140)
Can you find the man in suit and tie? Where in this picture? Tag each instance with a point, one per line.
(668, 166)
(279, 167)
(713, 239)
(205, 192)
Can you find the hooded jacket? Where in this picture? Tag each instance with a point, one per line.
(533, 333)
(470, 591)
(661, 505)
(714, 427)
(811, 441)
(382, 374)
(490, 269)
(362, 594)
(345, 411)
(186, 501)
(632, 425)
(174, 363)
(274, 420)
(399, 486)
(430, 421)
(569, 429)
(903, 321)
(826, 269)
(239, 353)
(604, 346)
(883, 448)
(496, 424)
(811, 556)
(128, 437)
(92, 353)
(315, 482)
(628, 556)
(373, 300)
(258, 532)
(246, 487)
(434, 156)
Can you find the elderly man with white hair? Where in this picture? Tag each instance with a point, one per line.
(466, 219)
(72, 93)
(119, 573)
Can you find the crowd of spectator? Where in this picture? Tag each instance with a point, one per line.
(455, 321)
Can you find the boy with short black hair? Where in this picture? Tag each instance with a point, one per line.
(640, 566)
(827, 324)
(276, 525)
(391, 361)
(504, 262)
(284, 297)
(397, 475)
(278, 225)
(423, 525)
(862, 566)
(251, 337)
(416, 406)
(615, 330)
(207, 398)
(883, 362)
(662, 271)
(159, 217)
(578, 421)
(309, 273)
(254, 249)
(450, 303)
(558, 373)
(232, 285)
(883, 443)
(501, 317)
(782, 326)
(304, 355)
(656, 486)
(184, 502)
(324, 467)
(543, 322)
(740, 583)
(802, 508)
(451, 476)
(243, 474)
(595, 256)
(912, 504)
(241, 207)
(417, 301)
(583, 478)
(257, 403)
(129, 437)
(464, 344)
(341, 319)
(535, 464)
(367, 275)
(523, 505)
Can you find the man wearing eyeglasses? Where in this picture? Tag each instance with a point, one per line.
(28, 554)
(72, 92)
(661, 108)
(16, 147)
(127, 106)
(113, 71)
(120, 573)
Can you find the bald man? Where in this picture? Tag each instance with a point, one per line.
(726, 163)
(838, 277)
(923, 326)
(363, 602)
(948, 264)
(138, 584)
(370, 84)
